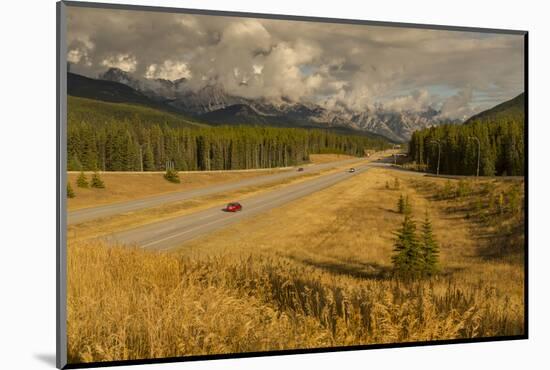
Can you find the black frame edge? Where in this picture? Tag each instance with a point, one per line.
(526, 185)
(291, 352)
(61, 190)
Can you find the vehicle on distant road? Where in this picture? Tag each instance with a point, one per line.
(233, 207)
(300, 169)
(351, 170)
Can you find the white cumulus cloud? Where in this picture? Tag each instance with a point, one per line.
(125, 62)
(356, 65)
(168, 70)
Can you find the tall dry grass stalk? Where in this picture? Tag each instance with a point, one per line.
(300, 278)
(130, 304)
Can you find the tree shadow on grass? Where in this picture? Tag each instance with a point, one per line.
(390, 210)
(362, 270)
(496, 245)
(356, 269)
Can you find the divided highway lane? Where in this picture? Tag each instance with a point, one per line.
(87, 214)
(165, 235)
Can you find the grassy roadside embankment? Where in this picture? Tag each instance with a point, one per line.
(305, 275)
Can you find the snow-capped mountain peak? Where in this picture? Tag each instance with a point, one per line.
(212, 103)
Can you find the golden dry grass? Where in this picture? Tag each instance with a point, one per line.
(298, 277)
(325, 158)
(122, 186)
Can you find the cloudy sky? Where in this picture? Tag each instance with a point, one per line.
(360, 66)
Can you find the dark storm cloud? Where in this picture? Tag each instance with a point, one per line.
(460, 72)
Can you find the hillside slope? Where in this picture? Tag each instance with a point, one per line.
(114, 92)
(513, 109)
(99, 112)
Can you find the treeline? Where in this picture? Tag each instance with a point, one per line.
(129, 146)
(501, 148)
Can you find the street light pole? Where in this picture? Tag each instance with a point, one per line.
(478, 151)
(438, 153)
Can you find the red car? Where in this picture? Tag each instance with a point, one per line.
(233, 207)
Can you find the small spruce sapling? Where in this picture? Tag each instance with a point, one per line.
(401, 204)
(82, 181)
(97, 182)
(70, 191)
(404, 205)
(172, 176)
(408, 206)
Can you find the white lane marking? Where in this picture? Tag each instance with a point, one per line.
(223, 219)
(171, 226)
(207, 224)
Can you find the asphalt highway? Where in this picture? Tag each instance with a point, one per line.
(87, 214)
(168, 234)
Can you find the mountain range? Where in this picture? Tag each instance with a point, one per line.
(213, 105)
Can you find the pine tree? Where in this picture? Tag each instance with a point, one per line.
(501, 147)
(97, 182)
(407, 258)
(429, 248)
(74, 164)
(407, 209)
(70, 191)
(82, 181)
(114, 145)
(401, 204)
(172, 176)
(148, 159)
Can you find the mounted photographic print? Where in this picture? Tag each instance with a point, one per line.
(234, 184)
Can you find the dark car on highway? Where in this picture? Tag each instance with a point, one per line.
(351, 170)
(300, 169)
(233, 207)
